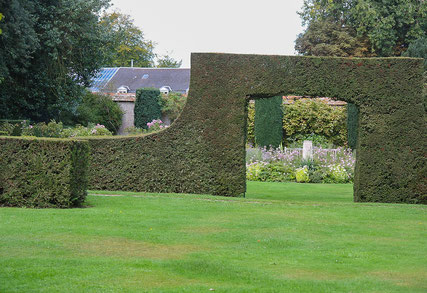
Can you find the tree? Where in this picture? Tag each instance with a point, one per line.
(329, 38)
(389, 25)
(166, 61)
(48, 54)
(126, 42)
(98, 108)
(418, 49)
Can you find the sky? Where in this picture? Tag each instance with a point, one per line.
(234, 26)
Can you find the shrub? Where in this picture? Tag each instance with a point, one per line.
(338, 174)
(270, 172)
(134, 130)
(253, 154)
(253, 171)
(314, 117)
(54, 129)
(250, 132)
(318, 141)
(301, 174)
(172, 104)
(43, 173)
(99, 109)
(91, 130)
(268, 122)
(155, 125)
(147, 106)
(11, 127)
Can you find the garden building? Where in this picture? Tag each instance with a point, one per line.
(121, 84)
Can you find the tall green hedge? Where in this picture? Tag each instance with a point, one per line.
(147, 106)
(268, 122)
(204, 150)
(352, 125)
(43, 173)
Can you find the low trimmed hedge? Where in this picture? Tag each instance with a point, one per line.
(42, 172)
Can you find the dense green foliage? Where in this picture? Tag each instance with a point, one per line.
(99, 109)
(147, 106)
(52, 129)
(388, 25)
(418, 49)
(43, 173)
(167, 61)
(268, 122)
(49, 50)
(172, 104)
(283, 237)
(307, 117)
(125, 42)
(352, 125)
(327, 38)
(250, 123)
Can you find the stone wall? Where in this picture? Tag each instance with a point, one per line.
(126, 102)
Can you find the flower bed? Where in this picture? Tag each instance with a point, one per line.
(279, 165)
(53, 129)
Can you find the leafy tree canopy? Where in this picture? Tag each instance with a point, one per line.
(48, 54)
(328, 38)
(418, 49)
(389, 25)
(166, 61)
(126, 42)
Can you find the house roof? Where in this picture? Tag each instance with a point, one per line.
(110, 79)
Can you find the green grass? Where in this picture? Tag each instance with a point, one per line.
(284, 237)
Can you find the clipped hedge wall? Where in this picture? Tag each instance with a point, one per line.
(204, 149)
(147, 106)
(352, 124)
(43, 173)
(268, 122)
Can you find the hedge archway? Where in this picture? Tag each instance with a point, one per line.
(204, 149)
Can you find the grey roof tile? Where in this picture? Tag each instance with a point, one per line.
(135, 77)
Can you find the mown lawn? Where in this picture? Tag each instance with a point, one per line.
(284, 237)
